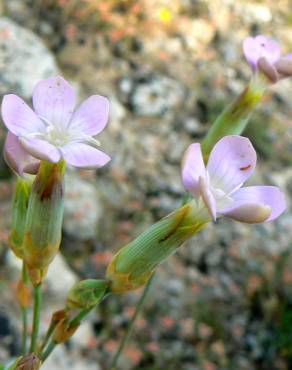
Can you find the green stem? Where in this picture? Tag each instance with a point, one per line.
(25, 280)
(131, 325)
(48, 336)
(24, 330)
(48, 351)
(82, 314)
(36, 317)
(74, 322)
(235, 117)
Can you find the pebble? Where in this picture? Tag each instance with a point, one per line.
(24, 59)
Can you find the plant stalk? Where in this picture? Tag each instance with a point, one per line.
(132, 322)
(25, 280)
(36, 317)
(48, 351)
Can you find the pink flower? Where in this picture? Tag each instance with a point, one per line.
(218, 186)
(264, 53)
(261, 46)
(53, 130)
(18, 158)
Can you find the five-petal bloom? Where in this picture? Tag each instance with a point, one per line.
(264, 53)
(53, 130)
(218, 185)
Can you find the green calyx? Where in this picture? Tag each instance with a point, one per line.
(43, 228)
(19, 211)
(87, 294)
(134, 264)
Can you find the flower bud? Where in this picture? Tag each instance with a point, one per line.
(28, 362)
(43, 226)
(134, 264)
(87, 294)
(19, 210)
(235, 117)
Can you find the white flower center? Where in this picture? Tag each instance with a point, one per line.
(223, 200)
(56, 136)
(59, 136)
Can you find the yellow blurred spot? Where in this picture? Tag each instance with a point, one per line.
(165, 15)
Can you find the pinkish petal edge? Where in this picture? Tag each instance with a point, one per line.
(54, 100)
(192, 168)
(231, 162)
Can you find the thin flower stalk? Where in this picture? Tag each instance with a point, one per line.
(24, 307)
(36, 318)
(130, 328)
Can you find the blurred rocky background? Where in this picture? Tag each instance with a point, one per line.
(224, 301)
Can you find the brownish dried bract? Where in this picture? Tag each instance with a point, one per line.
(64, 330)
(23, 293)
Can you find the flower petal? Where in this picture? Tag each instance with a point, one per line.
(192, 168)
(84, 156)
(41, 149)
(54, 100)
(208, 197)
(261, 46)
(284, 65)
(92, 115)
(251, 51)
(231, 163)
(265, 195)
(17, 158)
(18, 117)
(250, 213)
(268, 69)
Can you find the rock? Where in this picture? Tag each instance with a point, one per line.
(255, 12)
(24, 59)
(117, 111)
(126, 85)
(14, 264)
(60, 277)
(153, 95)
(82, 208)
(193, 126)
(199, 31)
(83, 335)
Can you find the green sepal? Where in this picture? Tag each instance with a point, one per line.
(43, 228)
(87, 293)
(19, 211)
(134, 264)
